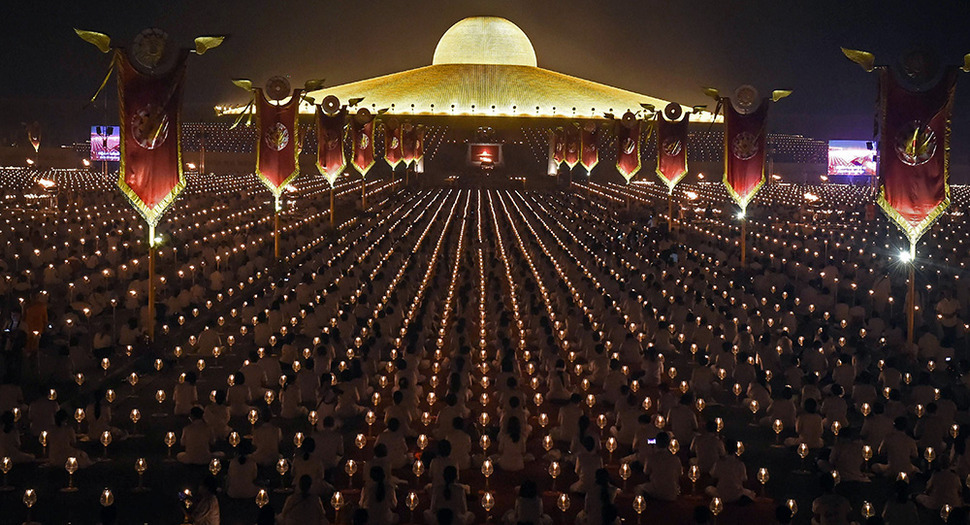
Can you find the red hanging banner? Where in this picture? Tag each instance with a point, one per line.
(151, 147)
(914, 151)
(744, 151)
(590, 146)
(671, 150)
(573, 146)
(628, 148)
(419, 143)
(330, 144)
(393, 147)
(277, 145)
(409, 141)
(559, 151)
(33, 134)
(363, 137)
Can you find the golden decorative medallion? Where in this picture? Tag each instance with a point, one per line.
(277, 137)
(149, 126)
(744, 146)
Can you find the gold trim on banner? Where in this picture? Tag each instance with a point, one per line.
(914, 233)
(420, 134)
(401, 147)
(671, 184)
(579, 151)
(596, 161)
(331, 177)
(152, 215)
(373, 160)
(741, 202)
(639, 160)
(277, 191)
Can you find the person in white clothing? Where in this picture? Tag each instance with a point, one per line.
(730, 473)
(303, 507)
(205, 507)
(196, 438)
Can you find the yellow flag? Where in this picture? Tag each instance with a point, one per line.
(99, 40)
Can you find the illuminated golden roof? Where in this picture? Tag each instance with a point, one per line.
(486, 66)
(485, 40)
(490, 89)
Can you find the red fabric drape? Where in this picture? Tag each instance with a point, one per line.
(151, 148)
(363, 136)
(744, 152)
(393, 148)
(573, 146)
(559, 150)
(914, 152)
(277, 143)
(418, 143)
(671, 150)
(330, 144)
(409, 142)
(628, 150)
(590, 142)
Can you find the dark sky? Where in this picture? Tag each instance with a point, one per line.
(664, 48)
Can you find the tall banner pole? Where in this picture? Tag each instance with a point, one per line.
(278, 142)
(745, 145)
(911, 297)
(628, 148)
(744, 251)
(151, 282)
(151, 74)
(915, 108)
(330, 122)
(670, 210)
(276, 227)
(672, 129)
(202, 153)
(362, 133)
(331, 205)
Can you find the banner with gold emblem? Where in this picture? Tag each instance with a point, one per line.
(33, 135)
(590, 146)
(672, 127)
(330, 144)
(393, 146)
(745, 137)
(914, 149)
(419, 144)
(150, 101)
(277, 162)
(628, 146)
(573, 146)
(409, 142)
(362, 134)
(559, 149)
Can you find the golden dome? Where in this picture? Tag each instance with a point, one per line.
(485, 40)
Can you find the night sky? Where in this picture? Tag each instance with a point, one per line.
(668, 49)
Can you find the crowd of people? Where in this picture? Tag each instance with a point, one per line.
(461, 356)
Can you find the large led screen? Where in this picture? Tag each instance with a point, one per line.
(851, 157)
(105, 143)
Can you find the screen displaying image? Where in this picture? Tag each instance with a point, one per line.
(851, 157)
(484, 155)
(105, 143)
